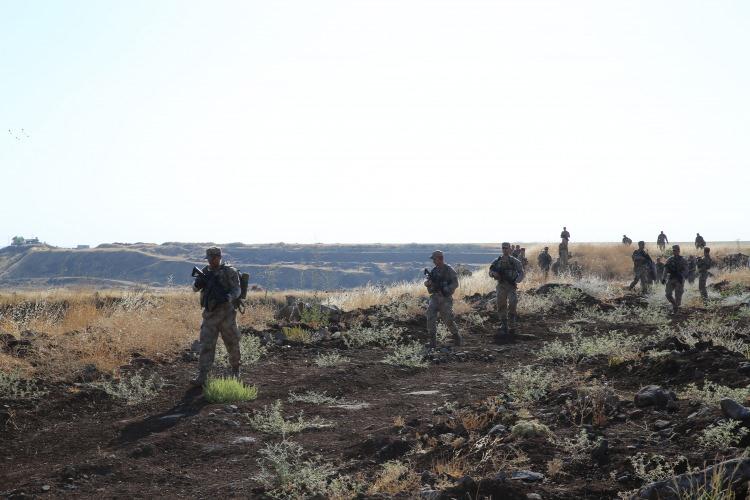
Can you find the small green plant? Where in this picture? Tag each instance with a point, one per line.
(314, 316)
(712, 393)
(385, 335)
(474, 319)
(318, 398)
(330, 359)
(297, 334)
(228, 390)
(651, 468)
(722, 435)
(271, 421)
(409, 355)
(567, 328)
(13, 386)
(615, 345)
(529, 383)
(133, 389)
(580, 447)
(251, 351)
(529, 428)
(288, 472)
(650, 315)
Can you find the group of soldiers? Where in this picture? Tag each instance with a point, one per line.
(219, 287)
(662, 241)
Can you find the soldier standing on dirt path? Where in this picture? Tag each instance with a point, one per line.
(508, 272)
(544, 259)
(642, 265)
(699, 241)
(442, 281)
(675, 272)
(704, 264)
(219, 287)
(661, 241)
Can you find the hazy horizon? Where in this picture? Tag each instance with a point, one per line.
(374, 121)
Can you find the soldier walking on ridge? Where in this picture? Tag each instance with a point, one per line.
(565, 235)
(219, 286)
(545, 261)
(642, 267)
(675, 272)
(699, 241)
(626, 241)
(441, 282)
(508, 272)
(704, 264)
(662, 241)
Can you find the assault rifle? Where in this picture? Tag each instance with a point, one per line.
(435, 286)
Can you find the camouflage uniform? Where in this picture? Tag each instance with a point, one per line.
(675, 272)
(508, 271)
(642, 269)
(219, 317)
(661, 241)
(691, 269)
(545, 261)
(704, 264)
(699, 241)
(443, 282)
(626, 240)
(565, 235)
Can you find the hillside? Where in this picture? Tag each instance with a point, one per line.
(272, 266)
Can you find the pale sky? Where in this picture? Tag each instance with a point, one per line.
(373, 121)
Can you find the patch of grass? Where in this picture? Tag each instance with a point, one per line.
(314, 316)
(297, 334)
(712, 393)
(580, 447)
(409, 355)
(386, 335)
(289, 472)
(474, 319)
(650, 315)
(618, 346)
(330, 359)
(529, 428)
(529, 383)
(133, 389)
(317, 398)
(567, 328)
(395, 478)
(270, 420)
(654, 467)
(722, 435)
(228, 390)
(712, 329)
(251, 351)
(13, 386)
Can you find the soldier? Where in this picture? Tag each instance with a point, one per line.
(659, 268)
(691, 269)
(545, 261)
(626, 241)
(516, 251)
(661, 241)
(508, 272)
(704, 264)
(675, 272)
(642, 265)
(699, 241)
(565, 235)
(441, 283)
(523, 259)
(219, 287)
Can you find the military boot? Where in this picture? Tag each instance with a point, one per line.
(200, 379)
(235, 372)
(502, 336)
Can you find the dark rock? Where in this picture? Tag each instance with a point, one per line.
(428, 478)
(744, 367)
(393, 449)
(732, 475)
(653, 395)
(661, 424)
(527, 476)
(600, 453)
(498, 429)
(734, 410)
(143, 451)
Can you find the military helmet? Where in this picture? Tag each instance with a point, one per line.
(212, 251)
(505, 245)
(436, 253)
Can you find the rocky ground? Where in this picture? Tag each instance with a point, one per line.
(553, 415)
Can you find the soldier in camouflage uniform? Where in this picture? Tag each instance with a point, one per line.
(508, 271)
(219, 287)
(626, 241)
(441, 283)
(675, 272)
(699, 241)
(642, 265)
(565, 235)
(661, 241)
(704, 264)
(692, 268)
(544, 259)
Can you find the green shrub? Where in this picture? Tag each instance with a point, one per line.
(386, 335)
(286, 471)
(712, 393)
(615, 345)
(529, 383)
(297, 334)
(133, 389)
(13, 386)
(330, 359)
(228, 390)
(251, 351)
(271, 421)
(410, 355)
(529, 428)
(314, 316)
(722, 435)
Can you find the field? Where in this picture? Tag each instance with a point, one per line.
(94, 400)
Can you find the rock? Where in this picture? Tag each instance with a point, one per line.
(661, 424)
(143, 451)
(244, 440)
(600, 453)
(534, 496)
(467, 483)
(498, 429)
(46, 487)
(527, 476)
(174, 416)
(732, 472)
(653, 395)
(428, 478)
(393, 449)
(744, 367)
(734, 410)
